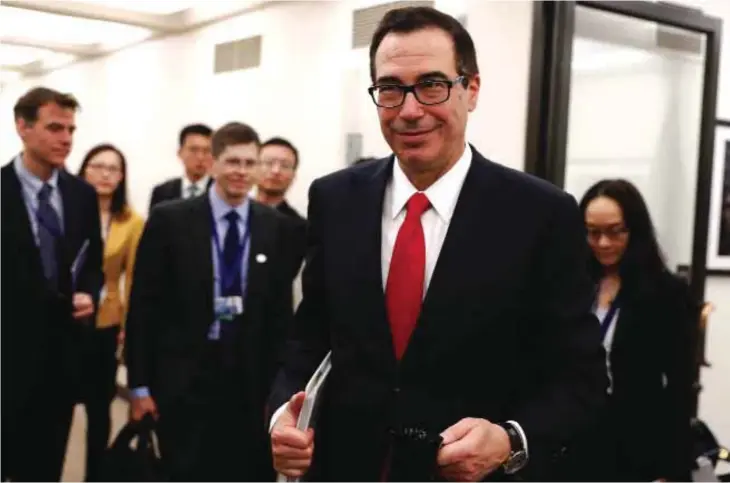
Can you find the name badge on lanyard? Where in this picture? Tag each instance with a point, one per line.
(228, 307)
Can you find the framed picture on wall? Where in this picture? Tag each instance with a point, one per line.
(718, 254)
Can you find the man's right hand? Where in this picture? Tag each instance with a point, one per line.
(292, 448)
(142, 406)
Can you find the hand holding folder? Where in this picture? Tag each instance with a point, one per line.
(293, 442)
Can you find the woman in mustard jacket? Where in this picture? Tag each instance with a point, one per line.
(105, 168)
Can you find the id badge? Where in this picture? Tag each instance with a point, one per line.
(227, 308)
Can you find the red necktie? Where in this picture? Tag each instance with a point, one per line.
(404, 290)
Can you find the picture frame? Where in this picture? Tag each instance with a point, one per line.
(718, 253)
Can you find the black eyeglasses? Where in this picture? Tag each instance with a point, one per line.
(613, 233)
(428, 92)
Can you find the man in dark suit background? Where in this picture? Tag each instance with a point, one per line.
(453, 293)
(279, 163)
(194, 152)
(208, 314)
(51, 278)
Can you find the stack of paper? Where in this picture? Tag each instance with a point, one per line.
(312, 390)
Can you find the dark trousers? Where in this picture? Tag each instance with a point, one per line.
(34, 441)
(215, 434)
(98, 388)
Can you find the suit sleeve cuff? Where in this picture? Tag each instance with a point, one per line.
(519, 430)
(140, 392)
(276, 415)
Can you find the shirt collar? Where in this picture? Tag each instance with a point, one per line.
(443, 194)
(202, 183)
(221, 208)
(29, 179)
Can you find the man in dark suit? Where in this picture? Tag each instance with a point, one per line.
(207, 317)
(279, 163)
(51, 278)
(194, 152)
(452, 292)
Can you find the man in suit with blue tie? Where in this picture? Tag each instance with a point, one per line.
(51, 278)
(208, 311)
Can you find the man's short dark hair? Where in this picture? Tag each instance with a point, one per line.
(28, 105)
(276, 141)
(411, 19)
(232, 134)
(200, 129)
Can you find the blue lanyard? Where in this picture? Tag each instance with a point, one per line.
(228, 273)
(610, 315)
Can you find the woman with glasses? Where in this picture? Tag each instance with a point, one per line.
(647, 316)
(105, 168)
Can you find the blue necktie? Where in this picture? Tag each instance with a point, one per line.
(49, 231)
(231, 245)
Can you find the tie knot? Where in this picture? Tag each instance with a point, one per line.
(418, 204)
(232, 216)
(45, 192)
(193, 190)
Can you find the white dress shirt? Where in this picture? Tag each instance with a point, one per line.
(201, 185)
(443, 195)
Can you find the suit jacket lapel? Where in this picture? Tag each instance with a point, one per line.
(367, 220)
(262, 241)
(17, 211)
(448, 281)
(201, 251)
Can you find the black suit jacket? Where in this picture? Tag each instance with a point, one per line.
(171, 304)
(39, 336)
(505, 332)
(299, 226)
(652, 361)
(169, 190)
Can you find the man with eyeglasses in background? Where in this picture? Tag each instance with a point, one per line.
(452, 292)
(194, 152)
(207, 316)
(279, 161)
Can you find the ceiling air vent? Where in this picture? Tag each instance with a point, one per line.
(365, 20)
(238, 55)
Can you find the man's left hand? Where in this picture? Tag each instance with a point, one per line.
(472, 449)
(83, 305)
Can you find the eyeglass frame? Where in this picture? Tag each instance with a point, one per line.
(283, 164)
(231, 164)
(104, 168)
(613, 233)
(405, 89)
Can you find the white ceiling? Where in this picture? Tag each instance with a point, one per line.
(37, 36)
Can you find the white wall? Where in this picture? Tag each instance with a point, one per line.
(139, 98)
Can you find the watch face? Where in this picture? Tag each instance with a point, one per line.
(516, 462)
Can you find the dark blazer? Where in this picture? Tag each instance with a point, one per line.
(169, 190)
(39, 336)
(645, 433)
(505, 333)
(300, 233)
(171, 304)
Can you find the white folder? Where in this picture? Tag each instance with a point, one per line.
(311, 400)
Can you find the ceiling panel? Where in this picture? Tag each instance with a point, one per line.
(159, 7)
(47, 27)
(13, 56)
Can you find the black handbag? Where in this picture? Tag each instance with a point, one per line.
(134, 455)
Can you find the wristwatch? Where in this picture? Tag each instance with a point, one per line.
(518, 455)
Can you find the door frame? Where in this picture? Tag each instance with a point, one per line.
(549, 100)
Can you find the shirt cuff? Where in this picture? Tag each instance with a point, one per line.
(276, 415)
(140, 392)
(517, 426)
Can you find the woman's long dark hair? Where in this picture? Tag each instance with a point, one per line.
(643, 263)
(119, 197)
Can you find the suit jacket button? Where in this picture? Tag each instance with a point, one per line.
(396, 390)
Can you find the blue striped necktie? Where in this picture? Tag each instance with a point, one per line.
(49, 231)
